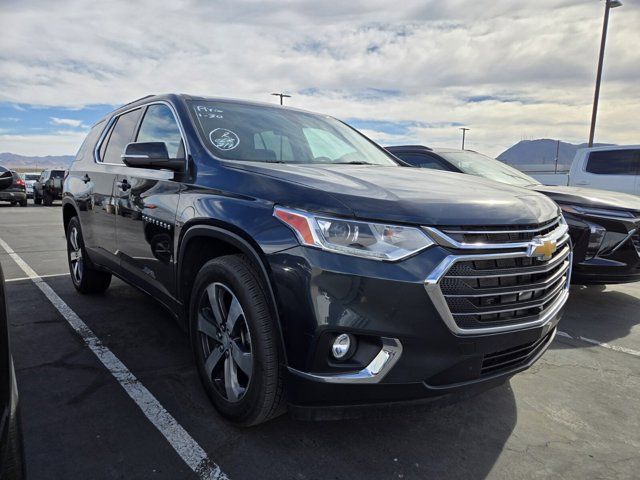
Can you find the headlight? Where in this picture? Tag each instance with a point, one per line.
(598, 212)
(377, 241)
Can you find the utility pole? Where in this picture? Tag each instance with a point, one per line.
(609, 4)
(464, 133)
(281, 95)
(557, 155)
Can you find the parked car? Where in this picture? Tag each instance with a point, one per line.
(11, 449)
(48, 188)
(308, 267)
(604, 225)
(30, 178)
(615, 168)
(12, 188)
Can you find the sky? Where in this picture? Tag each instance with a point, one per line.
(402, 72)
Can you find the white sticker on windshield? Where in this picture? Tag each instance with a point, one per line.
(224, 139)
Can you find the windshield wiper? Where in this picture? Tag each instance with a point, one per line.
(355, 162)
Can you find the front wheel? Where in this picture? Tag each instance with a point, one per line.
(235, 341)
(36, 199)
(47, 198)
(86, 279)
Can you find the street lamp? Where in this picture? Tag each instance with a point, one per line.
(281, 95)
(464, 132)
(609, 4)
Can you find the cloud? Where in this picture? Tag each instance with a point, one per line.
(508, 70)
(68, 122)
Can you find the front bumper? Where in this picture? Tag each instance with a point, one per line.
(320, 293)
(617, 261)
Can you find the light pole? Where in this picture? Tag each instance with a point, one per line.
(281, 95)
(464, 133)
(609, 4)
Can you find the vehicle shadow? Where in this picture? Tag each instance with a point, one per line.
(599, 312)
(462, 440)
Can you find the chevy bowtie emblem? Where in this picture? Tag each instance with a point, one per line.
(542, 249)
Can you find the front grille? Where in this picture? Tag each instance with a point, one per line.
(504, 290)
(513, 357)
(506, 234)
(499, 287)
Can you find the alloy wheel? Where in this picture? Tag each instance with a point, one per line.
(225, 341)
(75, 256)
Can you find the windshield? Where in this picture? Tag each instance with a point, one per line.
(482, 166)
(32, 176)
(237, 131)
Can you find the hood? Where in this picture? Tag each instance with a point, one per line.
(411, 195)
(590, 197)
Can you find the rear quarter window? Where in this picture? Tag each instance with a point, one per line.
(614, 162)
(87, 147)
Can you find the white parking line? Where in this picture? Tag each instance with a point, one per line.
(188, 449)
(615, 348)
(41, 276)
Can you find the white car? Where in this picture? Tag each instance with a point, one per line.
(29, 179)
(607, 168)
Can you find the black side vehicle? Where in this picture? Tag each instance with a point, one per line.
(48, 188)
(604, 225)
(12, 188)
(309, 269)
(11, 449)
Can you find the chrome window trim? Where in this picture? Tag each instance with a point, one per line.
(559, 235)
(377, 369)
(112, 120)
(432, 282)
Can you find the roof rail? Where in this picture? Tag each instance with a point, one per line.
(138, 99)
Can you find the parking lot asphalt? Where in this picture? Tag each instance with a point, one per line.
(575, 414)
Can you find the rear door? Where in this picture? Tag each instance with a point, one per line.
(99, 221)
(147, 202)
(615, 170)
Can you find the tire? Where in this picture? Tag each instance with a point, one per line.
(36, 199)
(256, 394)
(47, 199)
(85, 278)
(23, 203)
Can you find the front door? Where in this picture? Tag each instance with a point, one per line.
(147, 202)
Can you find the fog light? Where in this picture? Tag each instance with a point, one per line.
(341, 346)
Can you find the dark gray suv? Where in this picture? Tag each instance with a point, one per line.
(308, 267)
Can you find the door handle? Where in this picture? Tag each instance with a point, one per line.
(124, 185)
(86, 178)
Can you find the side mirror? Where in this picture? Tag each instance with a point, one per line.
(152, 155)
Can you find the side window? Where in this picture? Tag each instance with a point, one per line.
(614, 162)
(272, 146)
(86, 149)
(121, 134)
(422, 161)
(324, 144)
(159, 125)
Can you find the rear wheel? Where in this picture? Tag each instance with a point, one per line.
(235, 341)
(85, 278)
(23, 203)
(36, 199)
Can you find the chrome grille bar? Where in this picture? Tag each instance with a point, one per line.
(463, 298)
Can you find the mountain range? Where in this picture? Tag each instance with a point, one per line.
(25, 162)
(540, 154)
